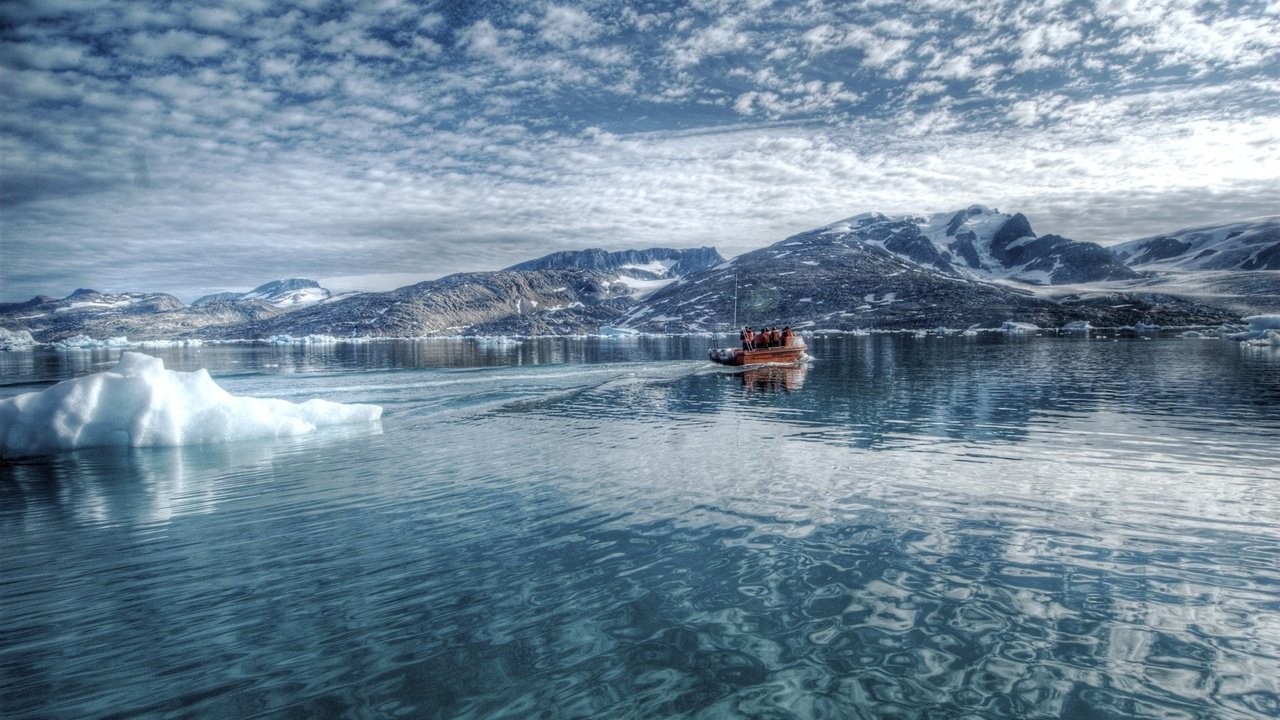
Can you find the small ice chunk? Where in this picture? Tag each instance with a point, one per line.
(140, 403)
(1010, 326)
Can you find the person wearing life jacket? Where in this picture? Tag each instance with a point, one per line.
(787, 335)
(742, 335)
(749, 342)
(775, 337)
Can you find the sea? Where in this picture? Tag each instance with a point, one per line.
(903, 526)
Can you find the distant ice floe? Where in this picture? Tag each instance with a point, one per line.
(16, 340)
(1010, 326)
(607, 331)
(1078, 326)
(139, 403)
(1264, 330)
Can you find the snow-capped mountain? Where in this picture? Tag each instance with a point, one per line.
(43, 309)
(502, 302)
(984, 244)
(1249, 245)
(281, 293)
(869, 271)
(643, 271)
(876, 272)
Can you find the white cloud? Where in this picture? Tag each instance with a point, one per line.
(178, 43)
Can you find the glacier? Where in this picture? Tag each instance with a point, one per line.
(140, 403)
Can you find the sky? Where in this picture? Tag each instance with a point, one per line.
(190, 148)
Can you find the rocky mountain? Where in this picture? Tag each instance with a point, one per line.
(957, 270)
(985, 244)
(135, 315)
(643, 271)
(281, 293)
(651, 264)
(1248, 245)
(529, 302)
(847, 276)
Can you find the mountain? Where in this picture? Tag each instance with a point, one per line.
(1249, 245)
(868, 273)
(281, 293)
(651, 264)
(985, 244)
(135, 315)
(501, 302)
(644, 271)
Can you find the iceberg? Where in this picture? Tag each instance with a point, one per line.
(1260, 323)
(139, 403)
(1010, 326)
(16, 340)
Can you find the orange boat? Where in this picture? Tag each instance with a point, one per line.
(738, 356)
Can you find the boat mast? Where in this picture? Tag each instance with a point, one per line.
(735, 304)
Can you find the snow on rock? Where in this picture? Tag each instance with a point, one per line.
(140, 403)
(16, 340)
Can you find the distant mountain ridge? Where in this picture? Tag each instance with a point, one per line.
(972, 267)
(1252, 244)
(292, 292)
(985, 244)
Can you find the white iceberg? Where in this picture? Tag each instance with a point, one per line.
(1078, 326)
(16, 340)
(1259, 323)
(1010, 326)
(84, 342)
(140, 403)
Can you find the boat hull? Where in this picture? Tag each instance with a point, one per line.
(738, 357)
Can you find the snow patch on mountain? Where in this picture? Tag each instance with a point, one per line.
(1252, 244)
(291, 293)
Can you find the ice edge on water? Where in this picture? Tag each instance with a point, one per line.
(139, 403)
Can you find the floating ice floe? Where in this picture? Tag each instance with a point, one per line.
(16, 340)
(1078, 326)
(304, 340)
(140, 403)
(607, 331)
(1261, 327)
(84, 342)
(1010, 326)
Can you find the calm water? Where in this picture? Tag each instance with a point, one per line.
(905, 528)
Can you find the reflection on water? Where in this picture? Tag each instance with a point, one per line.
(774, 378)
(904, 527)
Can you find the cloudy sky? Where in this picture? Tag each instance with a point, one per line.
(195, 147)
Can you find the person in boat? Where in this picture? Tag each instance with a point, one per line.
(787, 335)
(742, 336)
(775, 337)
(748, 339)
(763, 342)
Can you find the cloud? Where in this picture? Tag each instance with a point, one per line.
(178, 43)
(149, 145)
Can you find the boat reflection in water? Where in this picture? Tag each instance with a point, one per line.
(774, 378)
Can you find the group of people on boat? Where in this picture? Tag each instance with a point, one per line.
(769, 337)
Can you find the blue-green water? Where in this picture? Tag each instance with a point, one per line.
(906, 527)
